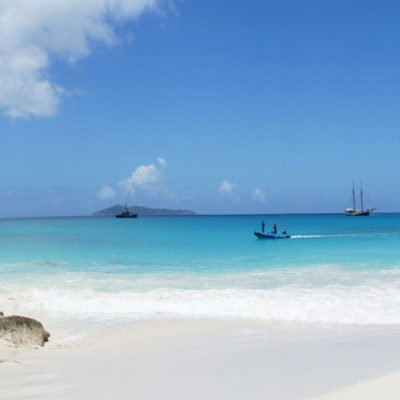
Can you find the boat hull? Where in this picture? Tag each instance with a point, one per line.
(351, 212)
(359, 214)
(271, 235)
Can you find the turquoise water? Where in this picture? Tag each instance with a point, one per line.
(334, 269)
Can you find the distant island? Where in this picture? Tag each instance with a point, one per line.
(113, 210)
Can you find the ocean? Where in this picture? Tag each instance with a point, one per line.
(334, 269)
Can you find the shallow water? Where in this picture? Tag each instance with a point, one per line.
(334, 269)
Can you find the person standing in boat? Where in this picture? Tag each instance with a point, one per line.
(274, 229)
(262, 226)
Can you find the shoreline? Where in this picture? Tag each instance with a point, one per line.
(162, 358)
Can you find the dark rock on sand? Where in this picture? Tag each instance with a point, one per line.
(1, 314)
(23, 331)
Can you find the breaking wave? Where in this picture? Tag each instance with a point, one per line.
(373, 303)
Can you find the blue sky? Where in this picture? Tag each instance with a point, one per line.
(218, 107)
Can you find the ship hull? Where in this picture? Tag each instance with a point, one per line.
(351, 212)
(358, 214)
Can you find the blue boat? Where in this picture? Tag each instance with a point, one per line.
(274, 234)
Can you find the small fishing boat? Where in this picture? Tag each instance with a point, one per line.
(126, 213)
(274, 234)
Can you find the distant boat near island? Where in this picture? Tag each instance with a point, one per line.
(126, 213)
(118, 209)
(354, 212)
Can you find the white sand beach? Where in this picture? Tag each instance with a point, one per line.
(206, 359)
(386, 387)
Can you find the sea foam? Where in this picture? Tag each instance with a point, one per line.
(371, 302)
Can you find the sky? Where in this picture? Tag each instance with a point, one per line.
(223, 107)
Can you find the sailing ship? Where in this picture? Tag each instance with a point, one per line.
(126, 213)
(354, 212)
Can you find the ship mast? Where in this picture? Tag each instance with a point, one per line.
(354, 198)
(361, 197)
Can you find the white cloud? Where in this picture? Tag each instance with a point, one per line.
(106, 193)
(226, 188)
(33, 33)
(162, 162)
(258, 195)
(145, 177)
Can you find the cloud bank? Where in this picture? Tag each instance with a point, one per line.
(35, 32)
(145, 179)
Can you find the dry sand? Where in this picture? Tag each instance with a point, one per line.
(206, 359)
